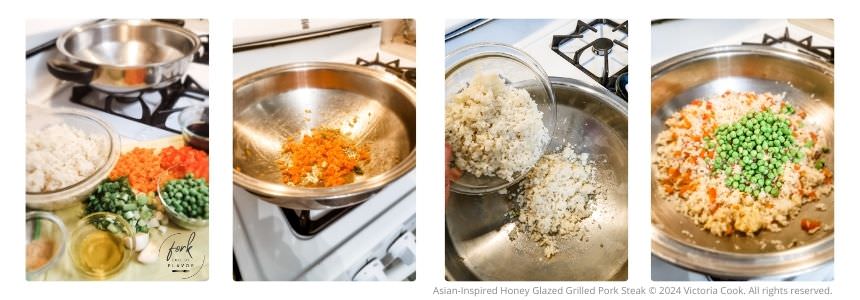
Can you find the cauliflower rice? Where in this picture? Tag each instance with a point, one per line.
(494, 129)
(557, 195)
(59, 156)
(687, 178)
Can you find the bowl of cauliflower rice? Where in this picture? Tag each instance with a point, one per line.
(500, 113)
(69, 152)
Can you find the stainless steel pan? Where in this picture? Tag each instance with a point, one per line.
(477, 246)
(123, 56)
(270, 105)
(808, 84)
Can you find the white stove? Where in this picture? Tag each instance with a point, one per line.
(374, 240)
(45, 92)
(535, 37)
(673, 37)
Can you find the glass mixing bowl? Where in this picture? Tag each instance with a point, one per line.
(89, 124)
(517, 69)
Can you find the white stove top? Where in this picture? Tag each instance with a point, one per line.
(45, 92)
(675, 37)
(535, 38)
(375, 240)
(342, 48)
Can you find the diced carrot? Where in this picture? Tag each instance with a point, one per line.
(809, 224)
(336, 156)
(141, 167)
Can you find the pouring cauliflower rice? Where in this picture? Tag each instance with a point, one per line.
(557, 195)
(742, 162)
(494, 129)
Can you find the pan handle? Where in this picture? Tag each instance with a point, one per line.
(202, 54)
(70, 72)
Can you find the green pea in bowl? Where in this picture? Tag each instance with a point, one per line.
(186, 200)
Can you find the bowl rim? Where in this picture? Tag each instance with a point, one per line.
(285, 192)
(100, 173)
(184, 123)
(698, 258)
(64, 234)
(468, 53)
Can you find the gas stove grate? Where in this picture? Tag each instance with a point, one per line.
(405, 73)
(804, 45)
(157, 116)
(303, 225)
(601, 46)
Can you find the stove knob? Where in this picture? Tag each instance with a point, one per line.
(403, 248)
(373, 271)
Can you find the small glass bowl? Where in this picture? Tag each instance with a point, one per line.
(518, 69)
(175, 217)
(95, 223)
(45, 228)
(197, 117)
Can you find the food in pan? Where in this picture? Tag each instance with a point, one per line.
(742, 162)
(494, 129)
(59, 156)
(325, 158)
(556, 196)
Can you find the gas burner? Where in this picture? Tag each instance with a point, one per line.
(405, 73)
(304, 225)
(150, 107)
(803, 45)
(600, 37)
(602, 46)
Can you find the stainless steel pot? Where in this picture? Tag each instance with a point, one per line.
(373, 107)
(808, 84)
(477, 245)
(123, 56)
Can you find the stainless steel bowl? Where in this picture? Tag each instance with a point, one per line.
(122, 56)
(375, 108)
(808, 84)
(477, 246)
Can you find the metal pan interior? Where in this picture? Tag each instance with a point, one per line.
(478, 246)
(284, 102)
(807, 84)
(128, 43)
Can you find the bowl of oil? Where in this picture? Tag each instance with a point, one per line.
(102, 245)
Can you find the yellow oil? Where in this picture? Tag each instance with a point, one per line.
(100, 254)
